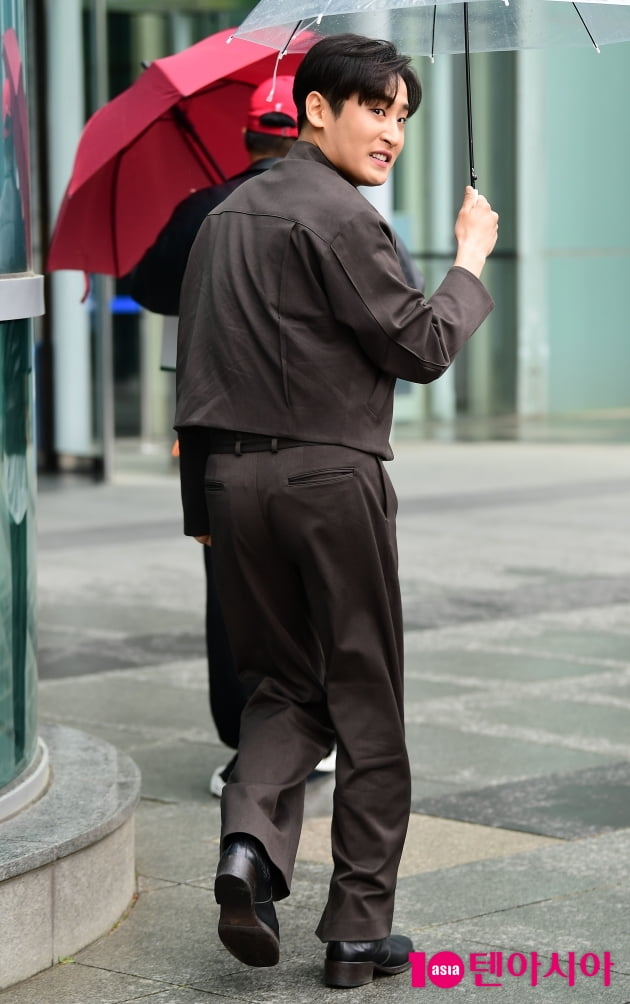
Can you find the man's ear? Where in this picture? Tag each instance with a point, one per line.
(316, 107)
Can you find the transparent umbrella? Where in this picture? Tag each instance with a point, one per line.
(434, 27)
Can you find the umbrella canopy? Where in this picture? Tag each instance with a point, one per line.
(433, 27)
(178, 128)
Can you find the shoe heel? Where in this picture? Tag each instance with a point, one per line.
(235, 882)
(243, 932)
(348, 974)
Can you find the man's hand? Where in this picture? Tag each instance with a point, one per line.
(207, 540)
(476, 231)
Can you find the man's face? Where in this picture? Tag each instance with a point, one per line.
(365, 140)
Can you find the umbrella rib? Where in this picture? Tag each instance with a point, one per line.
(286, 45)
(586, 27)
(194, 140)
(433, 34)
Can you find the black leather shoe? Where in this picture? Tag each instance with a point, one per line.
(353, 963)
(248, 926)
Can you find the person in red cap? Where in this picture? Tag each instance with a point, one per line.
(269, 133)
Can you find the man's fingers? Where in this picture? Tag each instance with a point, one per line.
(472, 198)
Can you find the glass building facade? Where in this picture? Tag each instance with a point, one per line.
(20, 296)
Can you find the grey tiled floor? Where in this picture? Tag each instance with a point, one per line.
(515, 564)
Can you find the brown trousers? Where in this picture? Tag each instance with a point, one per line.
(305, 559)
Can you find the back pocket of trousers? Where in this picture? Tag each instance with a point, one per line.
(325, 476)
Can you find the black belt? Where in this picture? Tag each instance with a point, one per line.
(222, 441)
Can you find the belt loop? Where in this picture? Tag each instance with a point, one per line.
(237, 448)
(274, 445)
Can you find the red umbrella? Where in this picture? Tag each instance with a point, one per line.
(178, 128)
(15, 120)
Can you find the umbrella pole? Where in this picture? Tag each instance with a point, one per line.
(471, 152)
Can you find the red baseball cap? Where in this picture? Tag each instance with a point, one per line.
(273, 96)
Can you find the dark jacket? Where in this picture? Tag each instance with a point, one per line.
(296, 319)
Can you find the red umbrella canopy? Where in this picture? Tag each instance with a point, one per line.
(15, 122)
(178, 128)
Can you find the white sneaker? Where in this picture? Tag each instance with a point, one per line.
(220, 776)
(328, 764)
(217, 784)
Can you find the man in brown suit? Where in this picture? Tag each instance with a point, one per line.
(295, 320)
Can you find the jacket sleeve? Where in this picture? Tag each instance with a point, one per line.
(403, 333)
(413, 276)
(193, 453)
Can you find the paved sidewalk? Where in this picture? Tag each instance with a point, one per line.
(515, 562)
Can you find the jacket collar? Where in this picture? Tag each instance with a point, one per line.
(302, 150)
(262, 164)
(257, 167)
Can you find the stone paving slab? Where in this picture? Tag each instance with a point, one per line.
(172, 710)
(481, 888)
(469, 758)
(592, 643)
(484, 669)
(77, 984)
(419, 688)
(579, 804)
(431, 843)
(590, 724)
(177, 770)
(145, 946)
(178, 842)
(593, 725)
(71, 651)
(427, 604)
(117, 617)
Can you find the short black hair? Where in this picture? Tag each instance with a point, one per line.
(342, 65)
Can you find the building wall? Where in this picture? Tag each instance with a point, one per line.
(552, 148)
(586, 165)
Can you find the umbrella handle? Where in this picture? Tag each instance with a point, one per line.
(471, 152)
